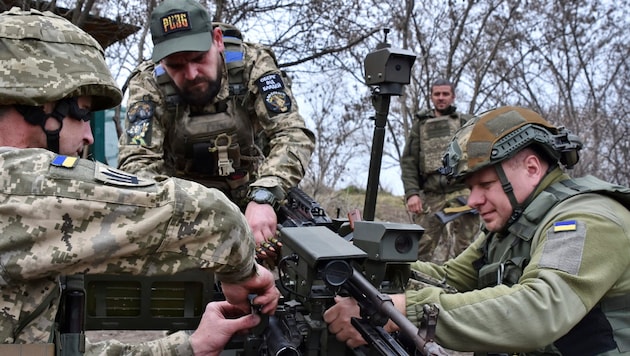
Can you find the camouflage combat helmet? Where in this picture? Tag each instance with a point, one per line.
(499, 134)
(45, 58)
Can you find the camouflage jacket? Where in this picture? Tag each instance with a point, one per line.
(421, 152)
(267, 107)
(62, 215)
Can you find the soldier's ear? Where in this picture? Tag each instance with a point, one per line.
(217, 38)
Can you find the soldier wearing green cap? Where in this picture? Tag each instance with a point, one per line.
(550, 273)
(215, 109)
(61, 215)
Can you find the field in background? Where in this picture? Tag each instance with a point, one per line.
(390, 208)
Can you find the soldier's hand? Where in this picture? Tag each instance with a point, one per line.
(218, 323)
(263, 222)
(414, 204)
(338, 318)
(261, 283)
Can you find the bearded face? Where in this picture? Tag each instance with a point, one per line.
(202, 89)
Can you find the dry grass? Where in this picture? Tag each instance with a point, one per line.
(389, 207)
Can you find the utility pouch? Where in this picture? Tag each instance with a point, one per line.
(507, 273)
(219, 157)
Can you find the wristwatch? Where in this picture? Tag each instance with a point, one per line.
(263, 196)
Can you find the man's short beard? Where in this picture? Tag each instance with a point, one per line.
(447, 111)
(201, 98)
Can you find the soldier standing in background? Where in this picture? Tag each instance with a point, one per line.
(216, 110)
(440, 208)
(61, 215)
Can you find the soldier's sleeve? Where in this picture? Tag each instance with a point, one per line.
(291, 143)
(410, 162)
(176, 344)
(140, 147)
(97, 219)
(579, 256)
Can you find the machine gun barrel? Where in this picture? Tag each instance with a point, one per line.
(278, 343)
(364, 292)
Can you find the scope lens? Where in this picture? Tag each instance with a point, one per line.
(403, 243)
(337, 272)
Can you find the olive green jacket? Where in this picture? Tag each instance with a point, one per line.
(568, 274)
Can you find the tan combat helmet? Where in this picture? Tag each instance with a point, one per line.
(45, 58)
(499, 134)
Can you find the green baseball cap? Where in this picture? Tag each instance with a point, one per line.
(180, 26)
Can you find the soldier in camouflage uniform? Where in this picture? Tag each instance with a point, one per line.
(214, 109)
(550, 272)
(61, 215)
(440, 208)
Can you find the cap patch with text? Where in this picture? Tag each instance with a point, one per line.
(180, 26)
(175, 22)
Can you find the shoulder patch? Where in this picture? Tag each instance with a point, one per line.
(139, 117)
(113, 176)
(64, 161)
(272, 91)
(564, 247)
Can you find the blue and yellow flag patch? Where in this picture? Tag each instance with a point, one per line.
(64, 161)
(569, 225)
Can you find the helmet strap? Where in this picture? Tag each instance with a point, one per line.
(35, 115)
(517, 209)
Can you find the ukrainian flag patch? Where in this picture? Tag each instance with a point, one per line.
(64, 161)
(569, 225)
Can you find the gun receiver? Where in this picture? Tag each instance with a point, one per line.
(302, 210)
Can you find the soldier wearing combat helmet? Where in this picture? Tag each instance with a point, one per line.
(217, 110)
(550, 273)
(62, 216)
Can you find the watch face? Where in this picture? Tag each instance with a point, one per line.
(263, 196)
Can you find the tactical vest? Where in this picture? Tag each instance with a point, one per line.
(217, 147)
(436, 132)
(505, 259)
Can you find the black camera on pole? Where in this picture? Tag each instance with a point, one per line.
(388, 67)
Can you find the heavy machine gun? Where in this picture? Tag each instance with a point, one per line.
(312, 272)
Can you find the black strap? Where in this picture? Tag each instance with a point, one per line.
(54, 295)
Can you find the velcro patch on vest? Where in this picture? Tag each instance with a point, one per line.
(273, 93)
(564, 247)
(139, 117)
(64, 161)
(113, 176)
